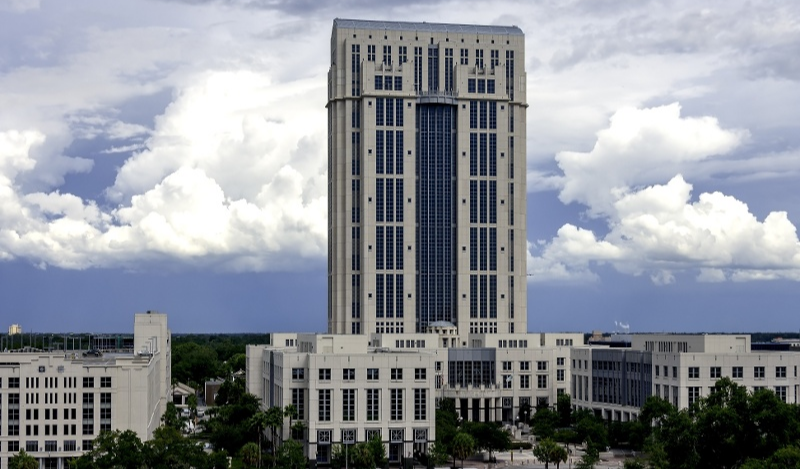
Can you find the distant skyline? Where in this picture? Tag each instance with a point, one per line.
(171, 156)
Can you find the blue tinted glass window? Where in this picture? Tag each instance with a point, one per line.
(379, 152)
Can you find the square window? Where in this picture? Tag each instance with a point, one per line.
(397, 374)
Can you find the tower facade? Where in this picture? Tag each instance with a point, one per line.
(426, 178)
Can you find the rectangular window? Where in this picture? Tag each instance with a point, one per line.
(780, 391)
(758, 372)
(694, 372)
(31, 446)
(560, 375)
(666, 371)
(694, 394)
(737, 372)
(324, 405)
(13, 383)
(396, 404)
(420, 373)
(299, 402)
(348, 405)
(525, 381)
(396, 374)
(373, 374)
(298, 373)
(541, 366)
(560, 361)
(541, 381)
(348, 374)
(324, 374)
(373, 405)
(524, 366)
(70, 445)
(715, 372)
(780, 371)
(105, 381)
(507, 384)
(420, 404)
(88, 382)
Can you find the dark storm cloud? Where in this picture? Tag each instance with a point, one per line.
(310, 7)
(761, 38)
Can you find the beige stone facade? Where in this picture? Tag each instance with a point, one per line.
(427, 208)
(53, 404)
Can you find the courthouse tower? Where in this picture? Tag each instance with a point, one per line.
(426, 178)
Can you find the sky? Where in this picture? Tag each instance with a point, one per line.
(170, 155)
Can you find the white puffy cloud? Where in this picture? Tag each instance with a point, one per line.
(222, 182)
(641, 146)
(661, 230)
(657, 228)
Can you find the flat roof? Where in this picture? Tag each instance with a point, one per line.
(423, 26)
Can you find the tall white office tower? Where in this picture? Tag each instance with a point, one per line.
(426, 178)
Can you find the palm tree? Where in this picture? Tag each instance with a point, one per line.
(274, 420)
(291, 412)
(259, 421)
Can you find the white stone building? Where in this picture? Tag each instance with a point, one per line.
(346, 392)
(681, 368)
(347, 388)
(53, 404)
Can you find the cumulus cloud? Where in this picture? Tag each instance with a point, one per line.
(657, 228)
(661, 230)
(222, 182)
(640, 146)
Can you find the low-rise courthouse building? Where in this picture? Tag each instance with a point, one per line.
(54, 403)
(349, 388)
(680, 368)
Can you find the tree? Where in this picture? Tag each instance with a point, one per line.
(446, 425)
(489, 436)
(633, 464)
(274, 420)
(22, 460)
(564, 410)
(193, 363)
(544, 423)
(290, 455)
(378, 451)
(259, 421)
(589, 458)
(437, 454)
(170, 449)
(228, 422)
(115, 449)
(191, 402)
(549, 451)
(463, 446)
(251, 454)
(591, 429)
(172, 417)
(290, 411)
